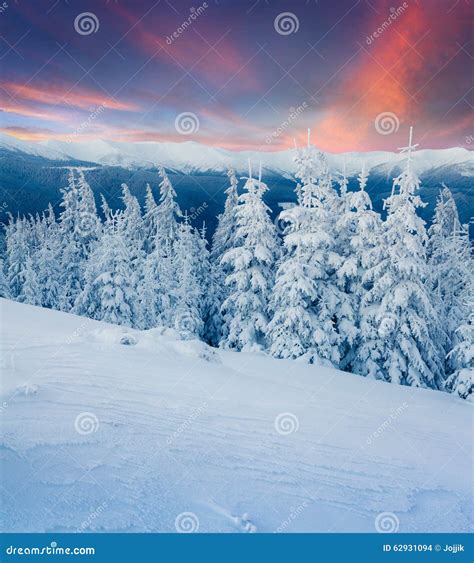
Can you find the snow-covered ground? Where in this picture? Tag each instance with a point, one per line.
(109, 429)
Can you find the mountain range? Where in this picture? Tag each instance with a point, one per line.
(32, 174)
(190, 157)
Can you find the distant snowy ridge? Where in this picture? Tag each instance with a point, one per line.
(191, 157)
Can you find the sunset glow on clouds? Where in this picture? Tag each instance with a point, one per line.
(242, 79)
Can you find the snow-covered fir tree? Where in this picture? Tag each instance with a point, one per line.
(158, 280)
(210, 280)
(450, 265)
(402, 336)
(291, 331)
(48, 261)
(109, 294)
(4, 289)
(360, 228)
(156, 287)
(251, 259)
(308, 282)
(131, 227)
(87, 223)
(222, 240)
(80, 227)
(17, 253)
(461, 357)
(188, 293)
(30, 290)
(167, 212)
(224, 235)
(150, 227)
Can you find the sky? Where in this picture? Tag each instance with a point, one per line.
(239, 74)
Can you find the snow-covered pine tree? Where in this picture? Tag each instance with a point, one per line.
(344, 195)
(48, 261)
(156, 286)
(189, 291)
(106, 209)
(167, 212)
(359, 227)
(30, 290)
(88, 225)
(294, 322)
(450, 265)
(312, 317)
(222, 240)
(17, 253)
(131, 222)
(251, 260)
(131, 227)
(109, 294)
(80, 227)
(210, 280)
(4, 289)
(461, 357)
(150, 227)
(408, 348)
(158, 279)
(224, 235)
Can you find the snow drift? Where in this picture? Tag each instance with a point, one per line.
(112, 429)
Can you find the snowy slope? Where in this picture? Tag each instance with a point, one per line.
(12, 144)
(102, 436)
(190, 157)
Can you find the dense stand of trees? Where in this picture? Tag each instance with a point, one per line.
(337, 285)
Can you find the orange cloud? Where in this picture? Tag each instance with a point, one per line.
(26, 111)
(59, 95)
(393, 75)
(32, 134)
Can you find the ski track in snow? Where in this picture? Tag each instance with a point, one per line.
(174, 433)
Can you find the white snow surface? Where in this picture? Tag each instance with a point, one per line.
(192, 157)
(99, 435)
